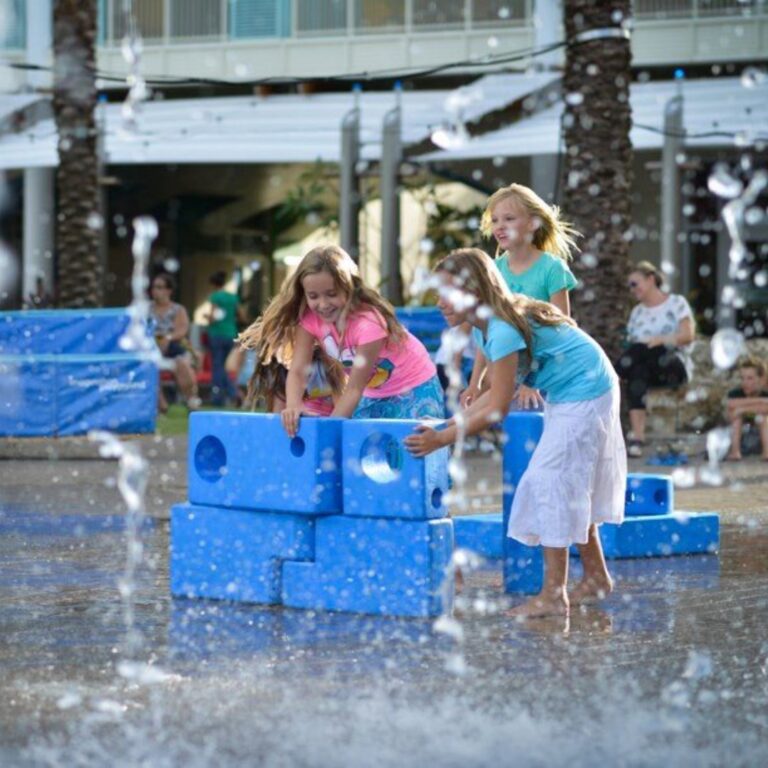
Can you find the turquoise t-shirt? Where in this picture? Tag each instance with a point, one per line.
(225, 327)
(545, 277)
(567, 365)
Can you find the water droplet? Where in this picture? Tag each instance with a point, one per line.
(754, 215)
(723, 184)
(171, 264)
(752, 77)
(450, 136)
(727, 346)
(95, 221)
(574, 99)
(504, 12)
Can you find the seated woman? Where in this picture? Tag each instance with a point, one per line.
(748, 404)
(171, 328)
(660, 332)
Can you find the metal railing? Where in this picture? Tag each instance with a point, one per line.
(178, 21)
(667, 9)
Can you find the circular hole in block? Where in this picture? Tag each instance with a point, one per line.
(381, 458)
(437, 498)
(298, 447)
(210, 458)
(660, 497)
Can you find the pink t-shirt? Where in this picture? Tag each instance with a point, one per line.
(400, 367)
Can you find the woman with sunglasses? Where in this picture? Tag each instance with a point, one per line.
(660, 333)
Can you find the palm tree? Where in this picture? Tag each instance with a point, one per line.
(598, 161)
(77, 185)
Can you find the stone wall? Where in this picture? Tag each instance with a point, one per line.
(700, 404)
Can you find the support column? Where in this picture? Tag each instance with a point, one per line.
(671, 263)
(349, 203)
(391, 157)
(38, 196)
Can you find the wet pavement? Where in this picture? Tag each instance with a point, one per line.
(673, 667)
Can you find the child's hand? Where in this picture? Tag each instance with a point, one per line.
(468, 396)
(528, 397)
(290, 418)
(424, 441)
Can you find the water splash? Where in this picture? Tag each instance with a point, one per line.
(727, 346)
(132, 48)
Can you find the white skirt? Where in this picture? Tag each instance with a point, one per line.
(577, 475)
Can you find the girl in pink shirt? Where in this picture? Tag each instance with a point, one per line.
(325, 303)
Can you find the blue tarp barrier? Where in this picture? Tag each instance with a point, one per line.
(63, 332)
(50, 395)
(27, 396)
(113, 392)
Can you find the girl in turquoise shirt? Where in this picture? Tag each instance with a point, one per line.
(533, 248)
(577, 475)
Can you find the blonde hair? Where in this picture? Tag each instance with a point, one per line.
(478, 275)
(273, 333)
(646, 269)
(553, 235)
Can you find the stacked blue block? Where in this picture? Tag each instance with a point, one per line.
(388, 557)
(649, 495)
(232, 554)
(425, 323)
(480, 533)
(373, 565)
(246, 460)
(523, 565)
(382, 479)
(67, 374)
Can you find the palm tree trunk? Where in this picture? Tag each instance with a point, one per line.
(77, 187)
(598, 162)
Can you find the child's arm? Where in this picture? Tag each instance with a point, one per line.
(737, 406)
(488, 409)
(362, 371)
(473, 389)
(296, 382)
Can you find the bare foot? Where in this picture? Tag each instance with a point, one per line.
(733, 457)
(542, 605)
(590, 591)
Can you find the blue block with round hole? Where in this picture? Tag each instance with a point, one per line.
(649, 495)
(523, 565)
(382, 479)
(391, 567)
(232, 554)
(247, 461)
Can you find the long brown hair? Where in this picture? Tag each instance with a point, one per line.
(477, 275)
(553, 235)
(275, 329)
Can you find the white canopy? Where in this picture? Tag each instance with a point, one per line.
(281, 128)
(714, 110)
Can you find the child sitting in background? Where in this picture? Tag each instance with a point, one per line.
(748, 404)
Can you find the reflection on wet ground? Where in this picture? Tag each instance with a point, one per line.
(672, 666)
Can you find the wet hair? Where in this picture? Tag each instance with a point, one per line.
(167, 279)
(478, 275)
(755, 363)
(553, 235)
(274, 330)
(218, 279)
(646, 269)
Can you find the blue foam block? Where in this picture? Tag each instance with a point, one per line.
(27, 396)
(382, 479)
(480, 533)
(523, 565)
(247, 460)
(232, 554)
(649, 495)
(113, 392)
(373, 565)
(680, 533)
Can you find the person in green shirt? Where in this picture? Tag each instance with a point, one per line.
(222, 330)
(533, 248)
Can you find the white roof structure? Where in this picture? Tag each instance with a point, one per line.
(717, 112)
(272, 129)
